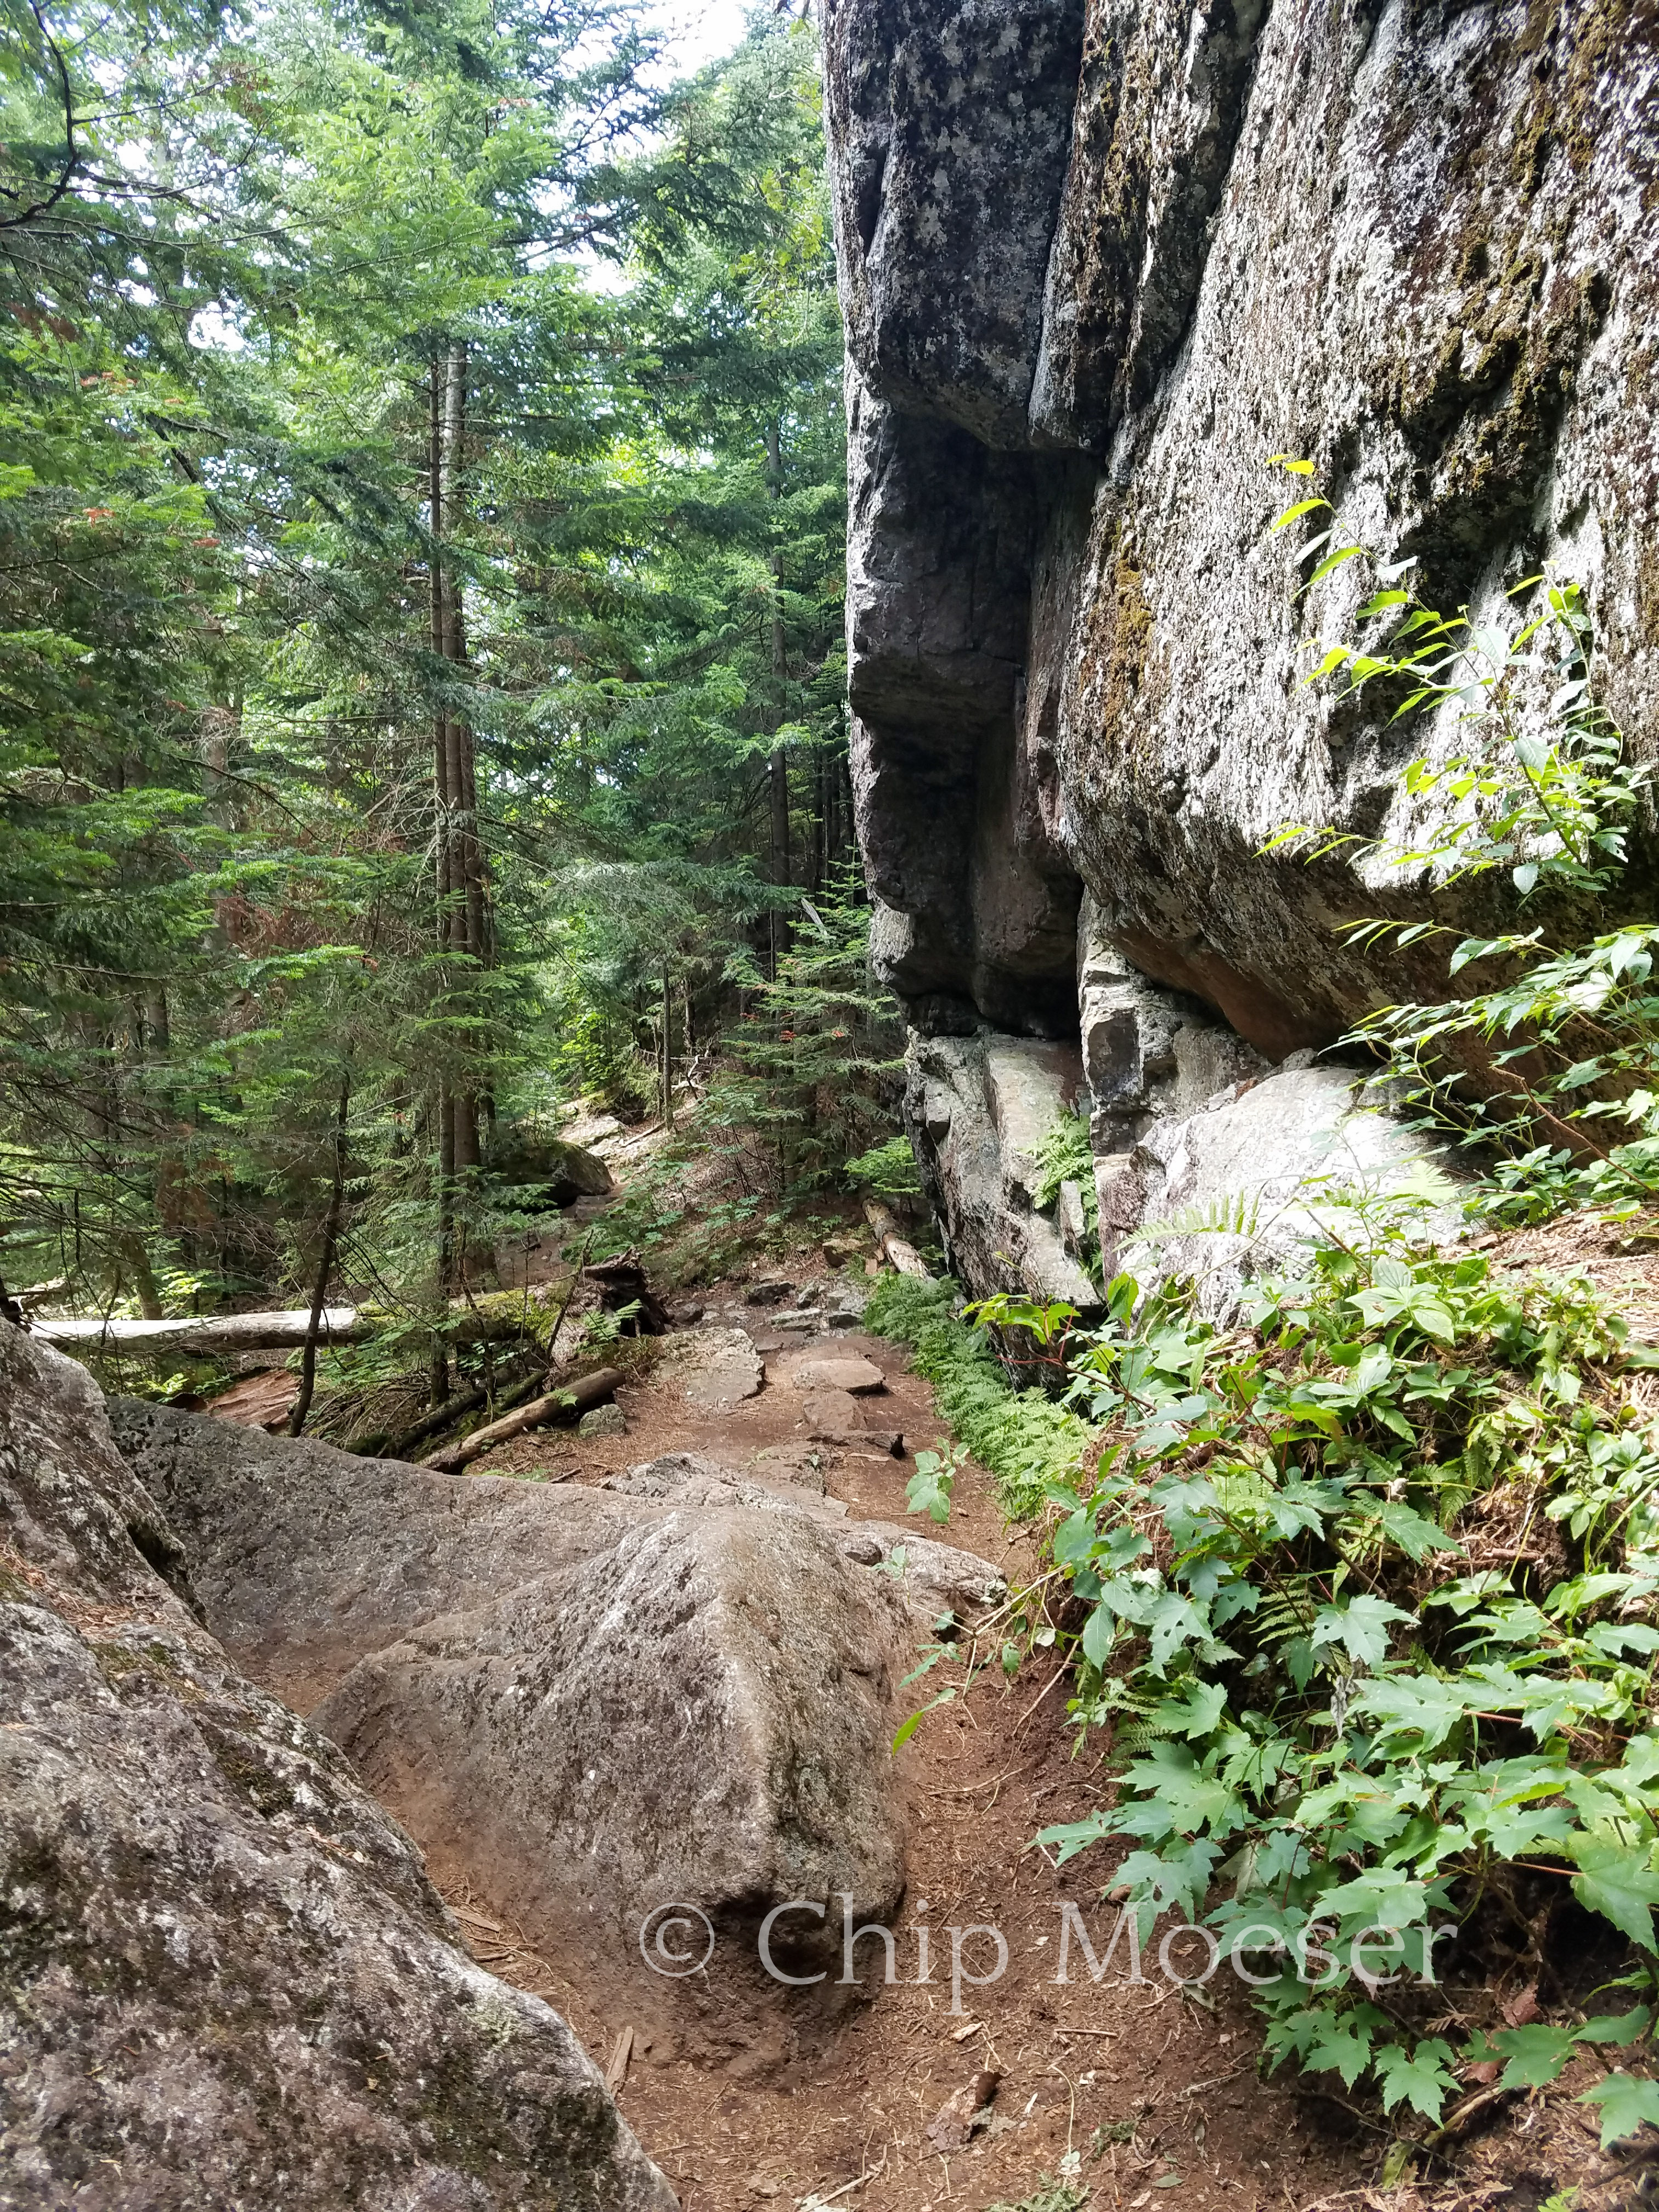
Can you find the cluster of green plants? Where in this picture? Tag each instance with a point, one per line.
(1026, 1438)
(1552, 1061)
(811, 1069)
(1369, 1582)
(1065, 1155)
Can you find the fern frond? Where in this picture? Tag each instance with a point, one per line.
(1235, 1213)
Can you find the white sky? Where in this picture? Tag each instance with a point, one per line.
(700, 31)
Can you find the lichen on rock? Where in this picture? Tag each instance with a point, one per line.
(1417, 248)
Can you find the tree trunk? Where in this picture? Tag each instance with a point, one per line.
(207, 1338)
(468, 922)
(442, 845)
(667, 1047)
(575, 1397)
(779, 764)
(296, 1419)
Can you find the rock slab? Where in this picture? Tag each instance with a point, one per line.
(225, 1977)
(848, 1372)
(714, 1367)
(584, 1701)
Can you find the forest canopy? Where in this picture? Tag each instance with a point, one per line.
(422, 683)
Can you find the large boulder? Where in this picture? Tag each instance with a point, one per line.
(699, 1714)
(1241, 1189)
(1411, 245)
(586, 1703)
(226, 1978)
(544, 1170)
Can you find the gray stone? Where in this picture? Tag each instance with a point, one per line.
(838, 1408)
(700, 1713)
(842, 1371)
(951, 124)
(1277, 1157)
(580, 1701)
(231, 1982)
(602, 1421)
(937, 1578)
(714, 1367)
(930, 1575)
(1089, 284)
(1070, 1218)
(545, 1170)
(994, 1099)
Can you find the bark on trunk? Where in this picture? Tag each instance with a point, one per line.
(296, 1419)
(209, 1336)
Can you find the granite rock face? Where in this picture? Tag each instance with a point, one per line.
(586, 1703)
(977, 1109)
(226, 1978)
(1096, 272)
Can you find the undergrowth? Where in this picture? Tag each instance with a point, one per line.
(1066, 1155)
(1023, 1438)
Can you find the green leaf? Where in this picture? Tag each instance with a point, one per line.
(1621, 2029)
(1628, 2103)
(908, 1729)
(1342, 2045)
(1534, 2055)
(1361, 1627)
(1290, 515)
(1616, 1881)
(1422, 2081)
(1333, 561)
(1192, 1798)
(1416, 1536)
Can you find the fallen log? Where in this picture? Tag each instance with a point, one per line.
(902, 1257)
(208, 1336)
(573, 1397)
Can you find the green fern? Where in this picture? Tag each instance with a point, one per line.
(1235, 1213)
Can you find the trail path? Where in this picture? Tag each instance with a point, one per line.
(1154, 2094)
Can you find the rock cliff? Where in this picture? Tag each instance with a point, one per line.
(1098, 263)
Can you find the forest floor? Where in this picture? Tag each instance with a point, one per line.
(1118, 2096)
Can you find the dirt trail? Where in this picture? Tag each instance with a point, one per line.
(1153, 2094)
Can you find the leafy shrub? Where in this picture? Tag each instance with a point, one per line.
(1023, 1438)
(1362, 1697)
(812, 1073)
(1563, 1043)
(1066, 1155)
(889, 1169)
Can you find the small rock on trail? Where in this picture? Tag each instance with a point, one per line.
(714, 1367)
(844, 1371)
